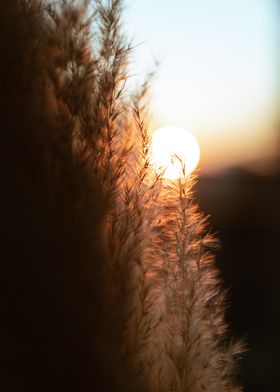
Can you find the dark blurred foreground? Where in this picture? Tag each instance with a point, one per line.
(245, 211)
(54, 330)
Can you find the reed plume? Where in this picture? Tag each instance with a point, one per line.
(108, 280)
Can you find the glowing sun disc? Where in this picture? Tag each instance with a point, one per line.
(169, 143)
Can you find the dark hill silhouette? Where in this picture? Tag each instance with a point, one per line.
(245, 210)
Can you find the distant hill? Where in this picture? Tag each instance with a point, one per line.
(245, 211)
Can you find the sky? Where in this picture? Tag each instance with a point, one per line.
(219, 73)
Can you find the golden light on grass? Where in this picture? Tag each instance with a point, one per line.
(173, 148)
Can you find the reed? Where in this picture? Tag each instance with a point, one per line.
(108, 279)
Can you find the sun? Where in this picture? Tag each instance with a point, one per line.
(170, 148)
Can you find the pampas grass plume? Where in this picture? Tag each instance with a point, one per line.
(108, 280)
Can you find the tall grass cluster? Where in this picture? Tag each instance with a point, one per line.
(108, 280)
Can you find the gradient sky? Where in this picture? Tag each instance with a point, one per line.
(219, 72)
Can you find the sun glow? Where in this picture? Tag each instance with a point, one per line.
(172, 149)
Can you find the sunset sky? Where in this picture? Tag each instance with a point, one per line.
(219, 73)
